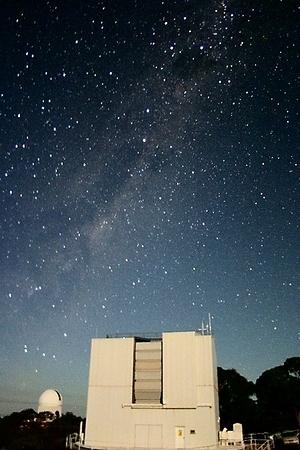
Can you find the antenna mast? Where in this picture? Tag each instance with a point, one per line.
(209, 323)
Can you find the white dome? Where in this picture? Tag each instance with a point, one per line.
(50, 400)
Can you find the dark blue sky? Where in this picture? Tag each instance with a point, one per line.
(149, 176)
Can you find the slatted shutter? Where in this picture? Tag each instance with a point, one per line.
(148, 372)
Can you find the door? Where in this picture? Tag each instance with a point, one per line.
(148, 436)
(179, 437)
(141, 436)
(155, 436)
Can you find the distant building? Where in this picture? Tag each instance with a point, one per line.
(157, 393)
(232, 437)
(51, 401)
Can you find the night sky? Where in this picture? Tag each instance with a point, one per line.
(149, 169)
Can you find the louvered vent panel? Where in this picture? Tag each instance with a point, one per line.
(147, 376)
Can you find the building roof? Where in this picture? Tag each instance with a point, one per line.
(50, 397)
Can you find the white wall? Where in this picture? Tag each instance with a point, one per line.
(110, 385)
(190, 400)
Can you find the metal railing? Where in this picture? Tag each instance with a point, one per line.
(252, 443)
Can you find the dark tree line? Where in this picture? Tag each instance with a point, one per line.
(271, 404)
(27, 430)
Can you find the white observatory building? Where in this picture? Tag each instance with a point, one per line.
(51, 401)
(153, 393)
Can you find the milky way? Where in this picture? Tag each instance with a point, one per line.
(149, 176)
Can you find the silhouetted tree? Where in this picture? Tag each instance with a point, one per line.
(235, 398)
(63, 426)
(278, 395)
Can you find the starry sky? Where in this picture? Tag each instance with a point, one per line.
(149, 170)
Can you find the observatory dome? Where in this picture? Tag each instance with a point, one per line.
(50, 400)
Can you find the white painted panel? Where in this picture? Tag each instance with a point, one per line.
(155, 436)
(179, 369)
(148, 436)
(141, 436)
